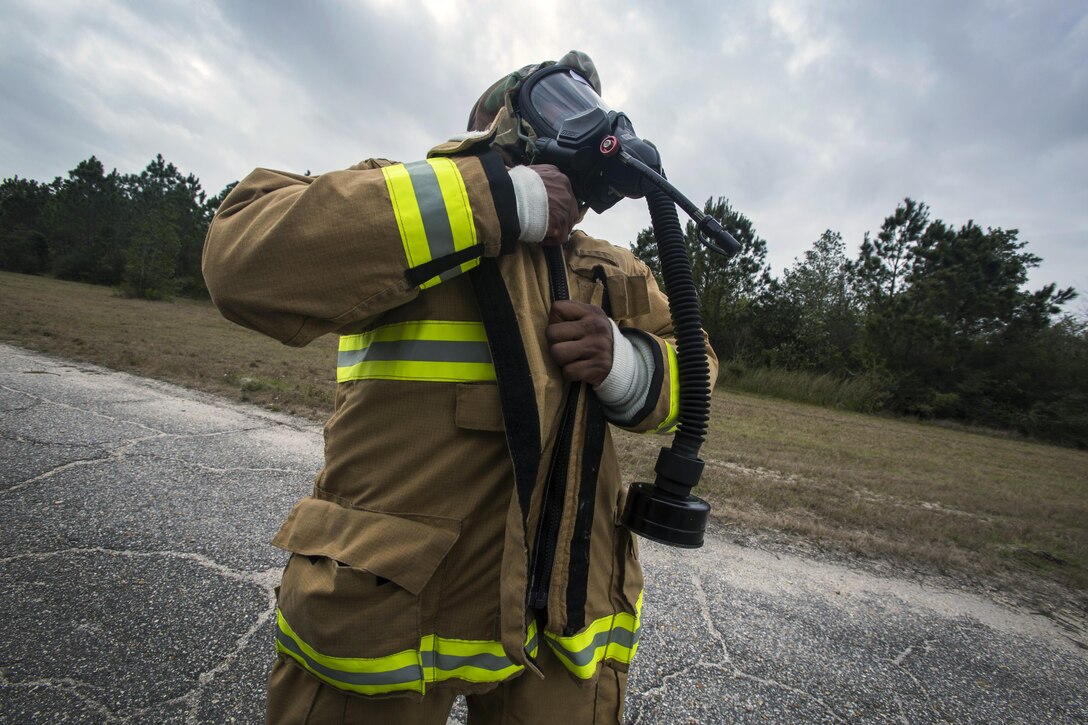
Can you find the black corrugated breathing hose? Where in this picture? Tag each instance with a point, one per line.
(666, 511)
(687, 326)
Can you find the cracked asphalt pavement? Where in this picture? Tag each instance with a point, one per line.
(137, 584)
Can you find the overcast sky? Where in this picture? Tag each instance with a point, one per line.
(806, 115)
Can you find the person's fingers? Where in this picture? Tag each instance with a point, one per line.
(565, 353)
(569, 310)
(562, 206)
(563, 332)
(579, 340)
(575, 320)
(592, 371)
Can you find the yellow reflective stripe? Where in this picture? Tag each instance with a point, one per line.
(469, 660)
(532, 642)
(407, 213)
(423, 350)
(614, 637)
(365, 675)
(448, 330)
(466, 266)
(419, 371)
(669, 424)
(434, 217)
(436, 660)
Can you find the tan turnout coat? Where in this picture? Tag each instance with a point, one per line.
(414, 553)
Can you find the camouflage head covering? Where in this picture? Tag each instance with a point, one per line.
(495, 108)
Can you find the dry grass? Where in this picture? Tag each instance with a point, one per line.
(998, 510)
(1002, 511)
(183, 341)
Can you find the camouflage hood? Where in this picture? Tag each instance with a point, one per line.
(495, 108)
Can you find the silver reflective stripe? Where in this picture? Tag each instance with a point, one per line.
(432, 207)
(420, 350)
(404, 675)
(585, 656)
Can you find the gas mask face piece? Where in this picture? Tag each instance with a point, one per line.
(576, 131)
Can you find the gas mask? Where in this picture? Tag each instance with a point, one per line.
(572, 128)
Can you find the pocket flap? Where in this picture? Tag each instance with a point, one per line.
(479, 407)
(628, 293)
(402, 550)
(589, 257)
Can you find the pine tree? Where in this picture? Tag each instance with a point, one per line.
(727, 288)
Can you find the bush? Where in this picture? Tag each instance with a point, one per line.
(24, 251)
(861, 393)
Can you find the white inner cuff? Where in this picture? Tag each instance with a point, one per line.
(624, 391)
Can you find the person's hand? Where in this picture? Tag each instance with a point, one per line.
(580, 340)
(562, 206)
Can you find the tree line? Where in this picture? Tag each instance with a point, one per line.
(935, 320)
(142, 233)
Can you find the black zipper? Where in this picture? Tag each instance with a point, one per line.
(551, 515)
(555, 489)
(557, 272)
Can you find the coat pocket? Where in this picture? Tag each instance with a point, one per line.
(349, 608)
(479, 407)
(628, 293)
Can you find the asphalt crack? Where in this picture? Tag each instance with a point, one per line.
(124, 449)
(111, 455)
(725, 664)
(265, 580)
(76, 408)
(899, 663)
(67, 684)
(123, 421)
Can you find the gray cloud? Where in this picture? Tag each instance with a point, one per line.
(807, 116)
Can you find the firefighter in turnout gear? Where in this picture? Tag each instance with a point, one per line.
(463, 535)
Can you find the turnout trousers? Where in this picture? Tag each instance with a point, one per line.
(294, 698)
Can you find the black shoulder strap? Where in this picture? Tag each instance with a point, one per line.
(516, 393)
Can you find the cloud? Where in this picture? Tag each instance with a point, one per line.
(806, 115)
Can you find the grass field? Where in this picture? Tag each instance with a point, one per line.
(1010, 515)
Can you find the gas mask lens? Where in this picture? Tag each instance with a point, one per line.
(562, 95)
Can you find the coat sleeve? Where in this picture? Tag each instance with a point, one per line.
(659, 414)
(295, 257)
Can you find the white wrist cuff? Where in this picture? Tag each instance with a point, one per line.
(532, 199)
(623, 393)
